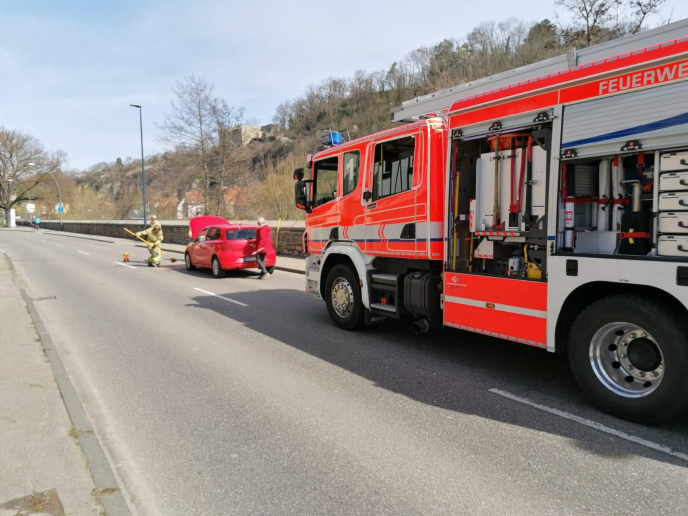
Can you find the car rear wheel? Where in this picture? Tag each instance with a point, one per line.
(187, 260)
(343, 298)
(218, 271)
(629, 354)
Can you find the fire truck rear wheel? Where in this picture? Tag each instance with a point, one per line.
(343, 298)
(629, 354)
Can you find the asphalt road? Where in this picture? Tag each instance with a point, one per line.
(255, 404)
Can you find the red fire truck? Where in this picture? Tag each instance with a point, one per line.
(547, 205)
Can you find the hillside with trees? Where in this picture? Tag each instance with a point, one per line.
(243, 181)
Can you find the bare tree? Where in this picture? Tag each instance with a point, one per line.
(24, 164)
(200, 129)
(640, 10)
(225, 119)
(282, 115)
(593, 14)
(189, 126)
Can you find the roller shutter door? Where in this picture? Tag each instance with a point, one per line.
(657, 117)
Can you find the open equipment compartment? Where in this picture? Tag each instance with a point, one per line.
(498, 196)
(606, 204)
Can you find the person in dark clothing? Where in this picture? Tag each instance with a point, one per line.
(263, 245)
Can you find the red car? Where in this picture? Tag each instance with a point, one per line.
(224, 247)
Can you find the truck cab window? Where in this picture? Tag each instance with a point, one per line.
(393, 167)
(325, 180)
(352, 162)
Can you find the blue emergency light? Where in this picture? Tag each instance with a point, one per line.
(333, 138)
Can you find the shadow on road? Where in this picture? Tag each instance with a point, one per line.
(445, 368)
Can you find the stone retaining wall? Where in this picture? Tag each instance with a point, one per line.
(289, 241)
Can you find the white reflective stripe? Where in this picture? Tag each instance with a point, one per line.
(501, 308)
(494, 334)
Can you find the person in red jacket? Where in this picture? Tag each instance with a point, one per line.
(263, 245)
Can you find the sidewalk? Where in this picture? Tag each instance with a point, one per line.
(43, 469)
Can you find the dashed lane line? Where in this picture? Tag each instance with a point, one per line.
(595, 425)
(89, 254)
(125, 265)
(221, 297)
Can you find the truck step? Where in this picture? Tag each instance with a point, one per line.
(387, 279)
(385, 308)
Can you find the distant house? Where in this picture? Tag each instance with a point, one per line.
(192, 205)
(243, 134)
(236, 201)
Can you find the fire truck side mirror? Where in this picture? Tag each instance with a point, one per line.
(301, 196)
(367, 195)
(298, 174)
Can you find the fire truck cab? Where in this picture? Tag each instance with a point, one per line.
(547, 206)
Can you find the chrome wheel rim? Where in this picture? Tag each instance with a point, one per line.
(627, 359)
(342, 297)
(216, 267)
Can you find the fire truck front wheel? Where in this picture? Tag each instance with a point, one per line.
(630, 356)
(343, 298)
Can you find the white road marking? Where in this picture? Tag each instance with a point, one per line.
(593, 424)
(85, 253)
(44, 241)
(58, 245)
(125, 265)
(221, 297)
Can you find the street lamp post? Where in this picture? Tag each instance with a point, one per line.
(143, 167)
(24, 187)
(60, 208)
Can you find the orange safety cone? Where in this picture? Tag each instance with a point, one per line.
(126, 257)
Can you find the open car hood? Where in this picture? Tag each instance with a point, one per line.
(198, 224)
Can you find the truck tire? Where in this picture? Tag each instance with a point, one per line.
(217, 269)
(343, 298)
(187, 261)
(629, 354)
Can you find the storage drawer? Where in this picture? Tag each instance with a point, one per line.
(674, 161)
(673, 245)
(673, 181)
(673, 201)
(673, 222)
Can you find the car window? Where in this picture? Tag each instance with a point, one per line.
(240, 234)
(213, 234)
(202, 235)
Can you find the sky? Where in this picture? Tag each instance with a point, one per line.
(70, 68)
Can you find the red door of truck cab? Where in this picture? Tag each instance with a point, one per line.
(326, 192)
(394, 178)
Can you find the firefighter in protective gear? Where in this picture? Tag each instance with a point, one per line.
(154, 238)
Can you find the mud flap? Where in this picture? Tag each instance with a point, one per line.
(373, 319)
